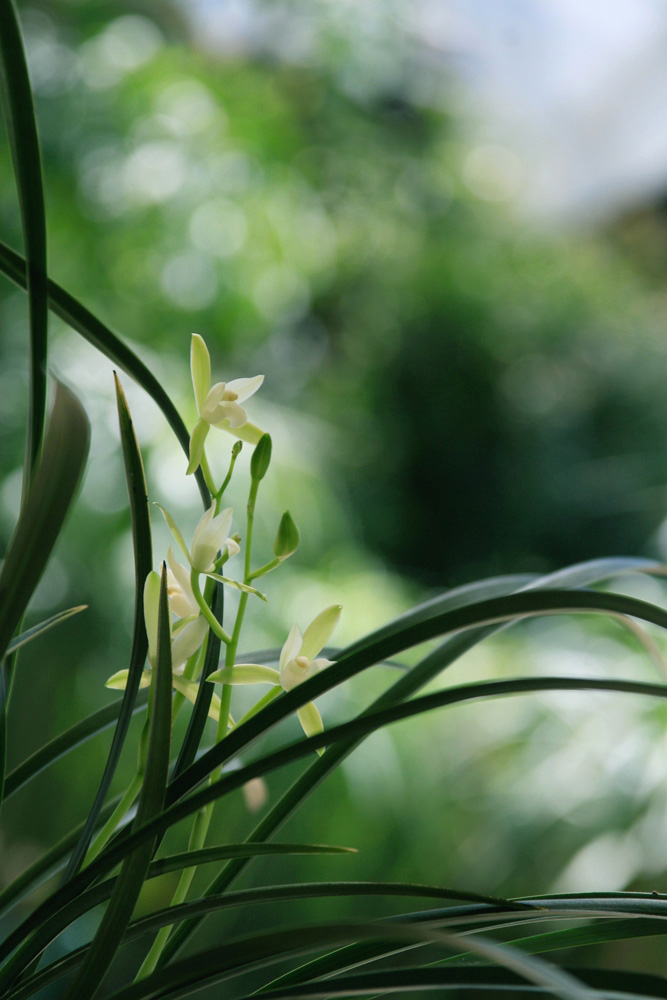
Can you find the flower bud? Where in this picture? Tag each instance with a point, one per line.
(287, 539)
(261, 456)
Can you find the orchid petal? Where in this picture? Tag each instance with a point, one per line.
(173, 527)
(233, 414)
(319, 631)
(151, 610)
(187, 641)
(200, 367)
(233, 547)
(190, 689)
(118, 681)
(179, 588)
(245, 387)
(311, 721)
(209, 538)
(291, 647)
(246, 673)
(197, 440)
(248, 432)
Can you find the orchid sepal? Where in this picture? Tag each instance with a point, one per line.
(246, 673)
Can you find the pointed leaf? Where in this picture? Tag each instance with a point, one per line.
(48, 623)
(100, 336)
(26, 159)
(133, 872)
(143, 560)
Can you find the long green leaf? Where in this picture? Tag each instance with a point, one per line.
(133, 872)
(51, 862)
(100, 336)
(604, 983)
(357, 727)
(54, 487)
(143, 563)
(36, 630)
(24, 144)
(242, 955)
(49, 929)
(426, 626)
(577, 575)
(199, 714)
(40, 521)
(216, 965)
(67, 741)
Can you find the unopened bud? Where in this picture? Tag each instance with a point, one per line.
(261, 456)
(287, 538)
(236, 448)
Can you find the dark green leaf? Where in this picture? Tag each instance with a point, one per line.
(71, 738)
(36, 630)
(52, 491)
(199, 714)
(42, 516)
(143, 563)
(47, 865)
(24, 145)
(133, 872)
(100, 336)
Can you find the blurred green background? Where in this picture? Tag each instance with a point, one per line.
(455, 388)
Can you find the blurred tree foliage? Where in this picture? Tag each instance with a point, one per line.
(495, 398)
(496, 392)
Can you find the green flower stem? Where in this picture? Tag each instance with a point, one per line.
(196, 841)
(215, 626)
(264, 569)
(236, 451)
(117, 815)
(208, 478)
(264, 700)
(203, 818)
(192, 668)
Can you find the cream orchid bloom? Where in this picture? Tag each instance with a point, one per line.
(187, 636)
(218, 405)
(210, 537)
(181, 597)
(298, 662)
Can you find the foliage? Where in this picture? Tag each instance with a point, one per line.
(180, 626)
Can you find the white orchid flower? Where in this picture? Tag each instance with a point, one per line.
(181, 597)
(210, 537)
(187, 636)
(218, 405)
(298, 662)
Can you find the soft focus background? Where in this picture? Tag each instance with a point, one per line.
(439, 230)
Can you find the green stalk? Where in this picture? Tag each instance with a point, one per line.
(117, 815)
(214, 625)
(203, 818)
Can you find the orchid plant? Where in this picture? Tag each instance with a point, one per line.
(69, 915)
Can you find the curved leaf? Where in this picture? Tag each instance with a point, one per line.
(53, 488)
(133, 872)
(100, 336)
(71, 738)
(143, 563)
(36, 630)
(26, 158)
